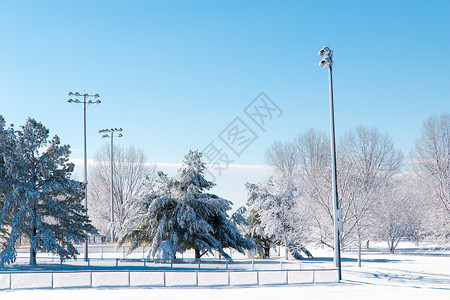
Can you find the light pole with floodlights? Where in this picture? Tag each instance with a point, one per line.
(327, 61)
(111, 135)
(84, 101)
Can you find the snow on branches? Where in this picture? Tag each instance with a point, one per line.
(179, 215)
(39, 200)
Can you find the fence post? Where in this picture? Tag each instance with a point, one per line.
(102, 253)
(164, 278)
(117, 262)
(226, 264)
(257, 277)
(253, 265)
(281, 265)
(196, 278)
(199, 263)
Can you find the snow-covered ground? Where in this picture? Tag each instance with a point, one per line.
(412, 273)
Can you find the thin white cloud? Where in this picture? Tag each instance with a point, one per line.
(80, 162)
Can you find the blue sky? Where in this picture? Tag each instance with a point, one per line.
(175, 74)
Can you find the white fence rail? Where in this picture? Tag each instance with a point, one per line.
(183, 264)
(93, 279)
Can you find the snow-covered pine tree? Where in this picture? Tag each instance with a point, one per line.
(209, 207)
(255, 230)
(180, 215)
(151, 220)
(4, 149)
(42, 203)
(276, 216)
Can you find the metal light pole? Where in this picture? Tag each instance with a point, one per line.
(85, 97)
(111, 135)
(327, 61)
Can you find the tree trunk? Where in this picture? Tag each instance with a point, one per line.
(359, 253)
(197, 253)
(32, 249)
(286, 246)
(391, 246)
(267, 251)
(359, 244)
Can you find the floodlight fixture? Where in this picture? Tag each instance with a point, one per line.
(326, 62)
(325, 51)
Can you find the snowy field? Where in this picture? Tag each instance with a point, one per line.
(412, 273)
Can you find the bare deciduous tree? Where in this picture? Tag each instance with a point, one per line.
(314, 180)
(431, 158)
(133, 178)
(398, 213)
(368, 163)
(283, 157)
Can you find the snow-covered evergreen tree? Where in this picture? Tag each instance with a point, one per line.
(5, 142)
(179, 215)
(255, 230)
(41, 202)
(275, 216)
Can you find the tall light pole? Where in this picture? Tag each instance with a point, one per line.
(111, 135)
(85, 102)
(327, 62)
